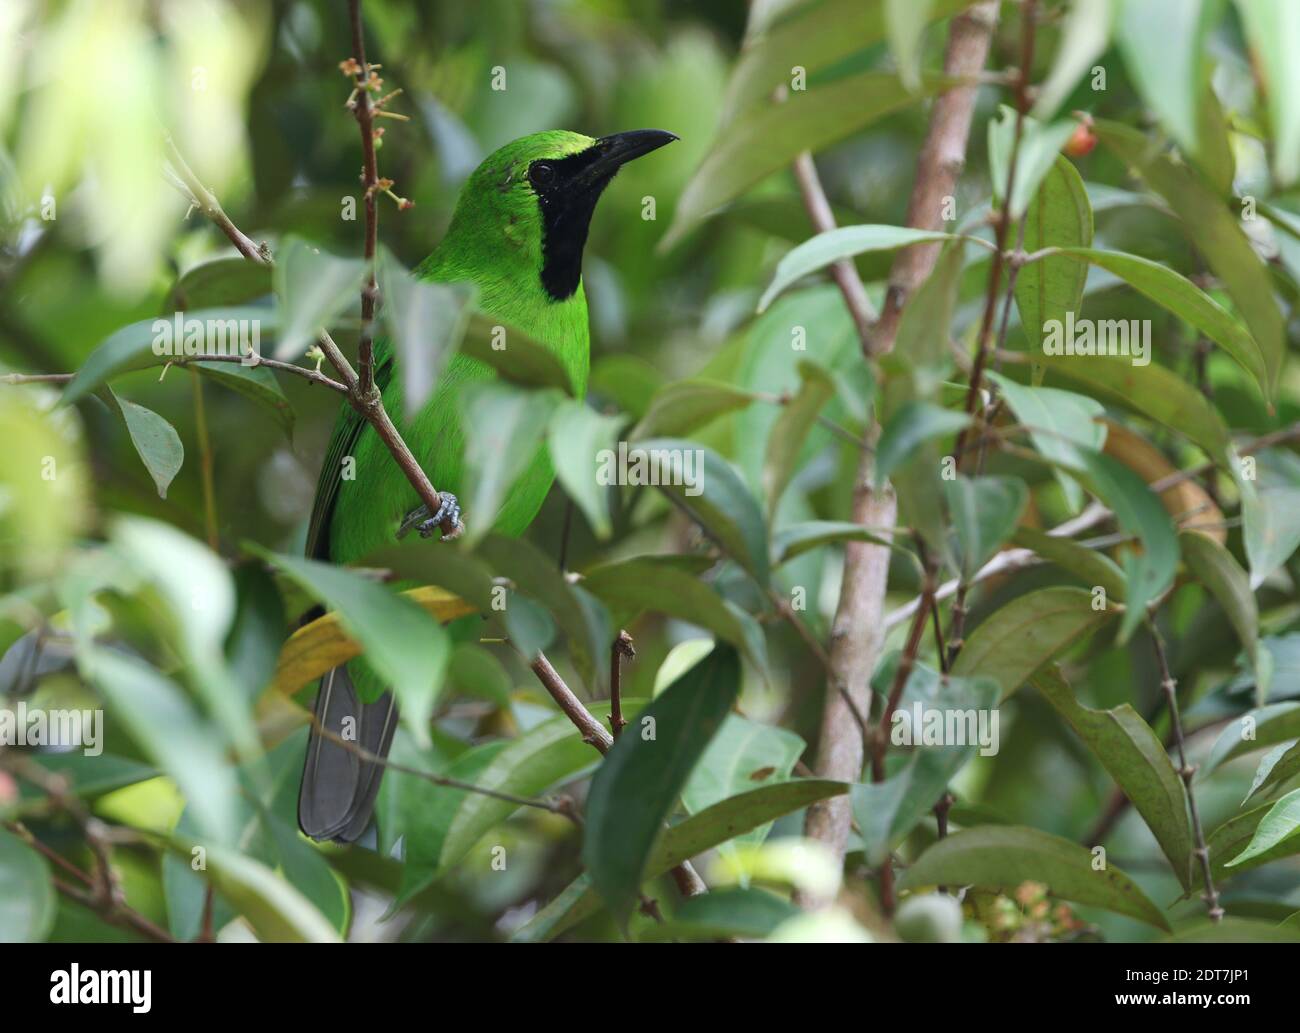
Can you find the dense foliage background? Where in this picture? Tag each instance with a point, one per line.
(150, 535)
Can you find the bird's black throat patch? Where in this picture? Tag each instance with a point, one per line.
(567, 190)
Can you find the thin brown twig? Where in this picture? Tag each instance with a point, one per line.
(361, 108)
(1186, 771)
(622, 648)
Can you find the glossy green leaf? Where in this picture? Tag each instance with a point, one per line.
(682, 406)
(984, 514)
(576, 436)
(1271, 30)
(1060, 423)
(132, 347)
(743, 755)
(790, 431)
(748, 913)
(1214, 230)
(710, 490)
(886, 812)
(254, 382)
(509, 423)
(1039, 147)
(154, 439)
(1281, 823)
(1177, 294)
(1015, 642)
(515, 356)
(637, 785)
(164, 724)
(1215, 568)
(1092, 566)
(1002, 857)
(681, 842)
(1059, 216)
(1276, 766)
(314, 288)
(797, 539)
(1084, 35)
(1264, 726)
(230, 280)
(1270, 507)
(905, 22)
(1138, 762)
(27, 904)
(767, 138)
(912, 425)
(1229, 840)
(830, 247)
(426, 322)
(403, 644)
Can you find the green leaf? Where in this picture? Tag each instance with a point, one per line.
(165, 725)
(582, 619)
(1280, 823)
(576, 436)
(767, 138)
(314, 288)
(508, 423)
(681, 842)
(132, 347)
(1002, 857)
(682, 406)
(1276, 766)
(155, 440)
(653, 583)
(1216, 234)
(426, 321)
(1271, 29)
(1163, 43)
(636, 787)
(830, 247)
(797, 539)
(1152, 392)
(984, 513)
(1139, 511)
(232, 280)
(905, 22)
(1263, 726)
(1177, 294)
(27, 904)
(1138, 762)
(744, 754)
(710, 490)
(1091, 566)
(786, 441)
(886, 812)
(543, 757)
(1021, 638)
(1059, 422)
(1083, 36)
(255, 382)
(911, 426)
(277, 910)
(1059, 216)
(1270, 507)
(1228, 841)
(748, 913)
(515, 355)
(1215, 568)
(403, 644)
(1039, 147)
(925, 324)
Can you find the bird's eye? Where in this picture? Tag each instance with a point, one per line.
(542, 174)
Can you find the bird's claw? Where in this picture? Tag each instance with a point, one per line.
(419, 519)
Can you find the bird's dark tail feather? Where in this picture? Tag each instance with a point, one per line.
(338, 786)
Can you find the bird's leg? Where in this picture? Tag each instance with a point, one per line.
(419, 519)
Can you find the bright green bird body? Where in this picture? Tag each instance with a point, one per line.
(517, 236)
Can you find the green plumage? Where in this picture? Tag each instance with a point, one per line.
(517, 235)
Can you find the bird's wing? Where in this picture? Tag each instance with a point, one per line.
(347, 429)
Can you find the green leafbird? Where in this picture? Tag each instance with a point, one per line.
(517, 234)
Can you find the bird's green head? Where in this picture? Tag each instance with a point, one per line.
(533, 199)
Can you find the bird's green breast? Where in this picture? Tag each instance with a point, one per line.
(371, 506)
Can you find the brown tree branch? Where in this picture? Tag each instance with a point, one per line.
(361, 108)
(858, 629)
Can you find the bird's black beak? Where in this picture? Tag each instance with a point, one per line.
(615, 151)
